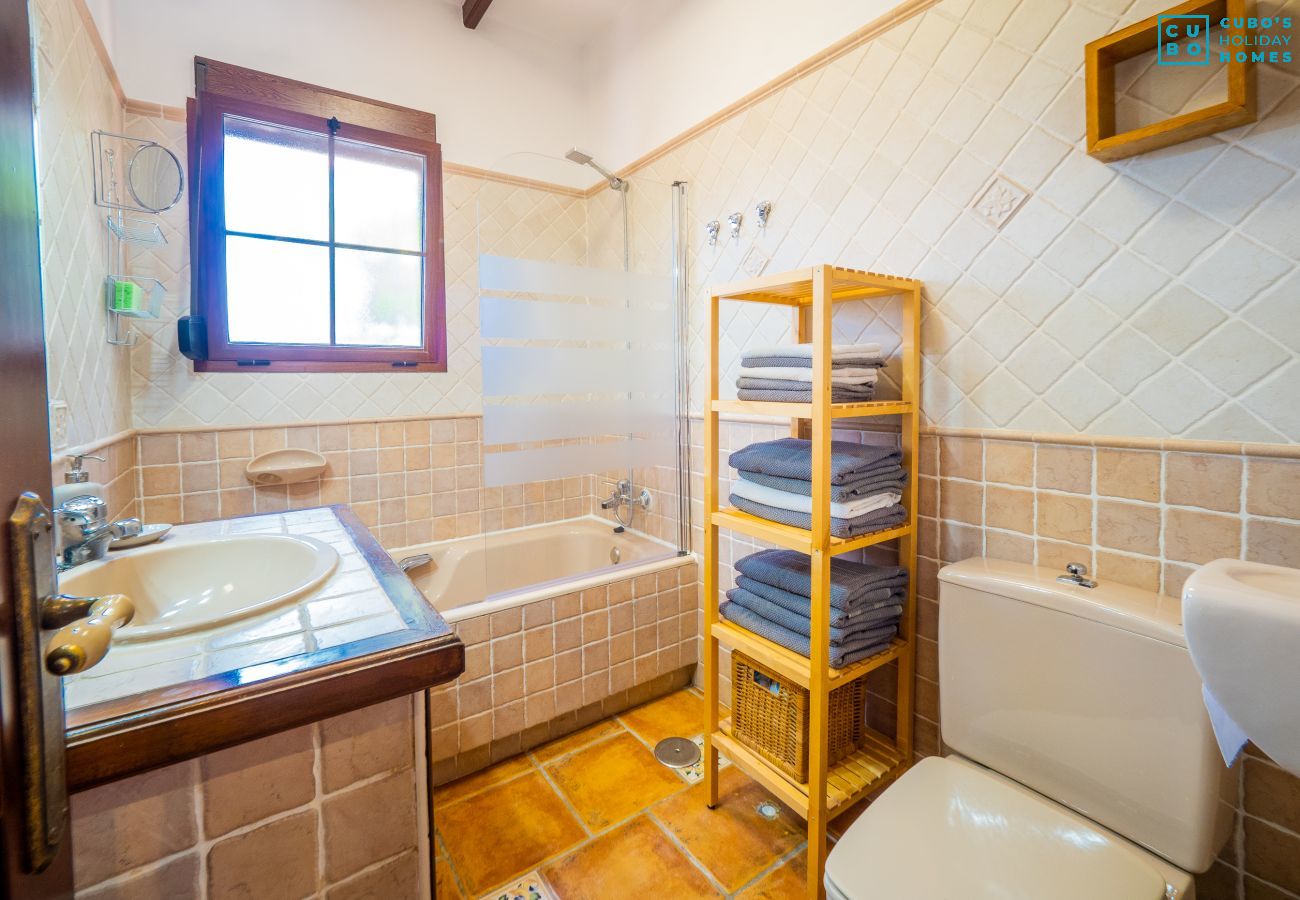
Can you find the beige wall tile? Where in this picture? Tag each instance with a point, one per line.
(1198, 537)
(958, 542)
(1172, 578)
(1270, 541)
(116, 827)
(1134, 527)
(366, 824)
(1011, 547)
(1133, 474)
(1203, 480)
(1135, 571)
(1062, 468)
(961, 458)
(198, 446)
(1009, 462)
(255, 780)
(275, 861)
(1065, 517)
(158, 481)
(397, 878)
(1009, 508)
(1058, 554)
(178, 877)
(962, 501)
(159, 449)
(1272, 854)
(365, 742)
(928, 457)
(1273, 488)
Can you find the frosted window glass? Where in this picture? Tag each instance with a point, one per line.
(378, 196)
(377, 298)
(276, 180)
(277, 292)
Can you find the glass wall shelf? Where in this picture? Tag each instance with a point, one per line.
(131, 230)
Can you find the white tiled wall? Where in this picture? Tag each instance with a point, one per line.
(1153, 297)
(74, 97)
(166, 392)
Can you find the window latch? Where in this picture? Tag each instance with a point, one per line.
(405, 364)
(333, 124)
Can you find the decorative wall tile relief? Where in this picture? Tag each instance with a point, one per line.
(1000, 201)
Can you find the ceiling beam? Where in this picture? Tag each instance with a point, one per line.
(472, 12)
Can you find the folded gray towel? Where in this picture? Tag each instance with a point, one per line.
(841, 616)
(767, 396)
(890, 478)
(792, 458)
(791, 570)
(805, 362)
(801, 624)
(868, 643)
(877, 520)
(787, 384)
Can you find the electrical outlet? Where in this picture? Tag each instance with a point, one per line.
(755, 261)
(58, 424)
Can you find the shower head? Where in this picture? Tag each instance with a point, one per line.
(584, 159)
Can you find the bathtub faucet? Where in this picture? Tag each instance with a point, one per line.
(622, 496)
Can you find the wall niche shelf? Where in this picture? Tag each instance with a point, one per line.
(1103, 54)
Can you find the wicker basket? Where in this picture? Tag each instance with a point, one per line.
(770, 716)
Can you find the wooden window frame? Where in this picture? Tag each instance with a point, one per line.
(304, 107)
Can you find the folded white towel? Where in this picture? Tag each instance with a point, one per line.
(840, 350)
(761, 493)
(795, 373)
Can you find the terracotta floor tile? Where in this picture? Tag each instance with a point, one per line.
(612, 780)
(732, 841)
(578, 739)
(677, 715)
(505, 831)
(636, 860)
(485, 778)
(790, 882)
(445, 883)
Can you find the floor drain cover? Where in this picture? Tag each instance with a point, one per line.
(677, 752)
(768, 810)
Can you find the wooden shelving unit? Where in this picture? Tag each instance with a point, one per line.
(812, 293)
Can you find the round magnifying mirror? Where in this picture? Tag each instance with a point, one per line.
(154, 177)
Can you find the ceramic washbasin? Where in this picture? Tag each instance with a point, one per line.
(1242, 621)
(197, 585)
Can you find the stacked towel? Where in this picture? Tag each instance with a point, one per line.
(776, 483)
(772, 598)
(784, 373)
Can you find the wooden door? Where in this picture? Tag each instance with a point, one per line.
(28, 804)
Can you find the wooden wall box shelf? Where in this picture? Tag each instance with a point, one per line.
(830, 789)
(1103, 54)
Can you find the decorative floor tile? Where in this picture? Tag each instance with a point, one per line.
(613, 780)
(505, 831)
(675, 715)
(530, 887)
(694, 774)
(634, 860)
(734, 841)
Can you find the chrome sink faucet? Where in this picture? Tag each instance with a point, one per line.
(83, 532)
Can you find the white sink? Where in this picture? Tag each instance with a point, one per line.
(184, 587)
(1242, 621)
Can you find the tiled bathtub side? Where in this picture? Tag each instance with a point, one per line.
(547, 667)
(335, 806)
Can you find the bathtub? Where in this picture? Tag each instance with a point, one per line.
(500, 570)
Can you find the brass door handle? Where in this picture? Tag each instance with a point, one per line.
(76, 647)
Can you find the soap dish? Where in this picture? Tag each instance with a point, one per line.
(285, 466)
(148, 534)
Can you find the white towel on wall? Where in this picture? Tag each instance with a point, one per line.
(761, 493)
(837, 350)
(794, 373)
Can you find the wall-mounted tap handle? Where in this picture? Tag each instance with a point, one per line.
(76, 647)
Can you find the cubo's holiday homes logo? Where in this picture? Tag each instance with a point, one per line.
(1186, 40)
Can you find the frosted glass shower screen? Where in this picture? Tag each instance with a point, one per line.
(577, 369)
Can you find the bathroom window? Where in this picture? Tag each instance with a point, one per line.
(319, 244)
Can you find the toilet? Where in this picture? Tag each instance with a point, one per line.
(1082, 764)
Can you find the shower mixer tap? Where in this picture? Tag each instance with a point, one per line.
(622, 496)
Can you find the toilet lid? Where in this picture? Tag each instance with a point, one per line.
(950, 830)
